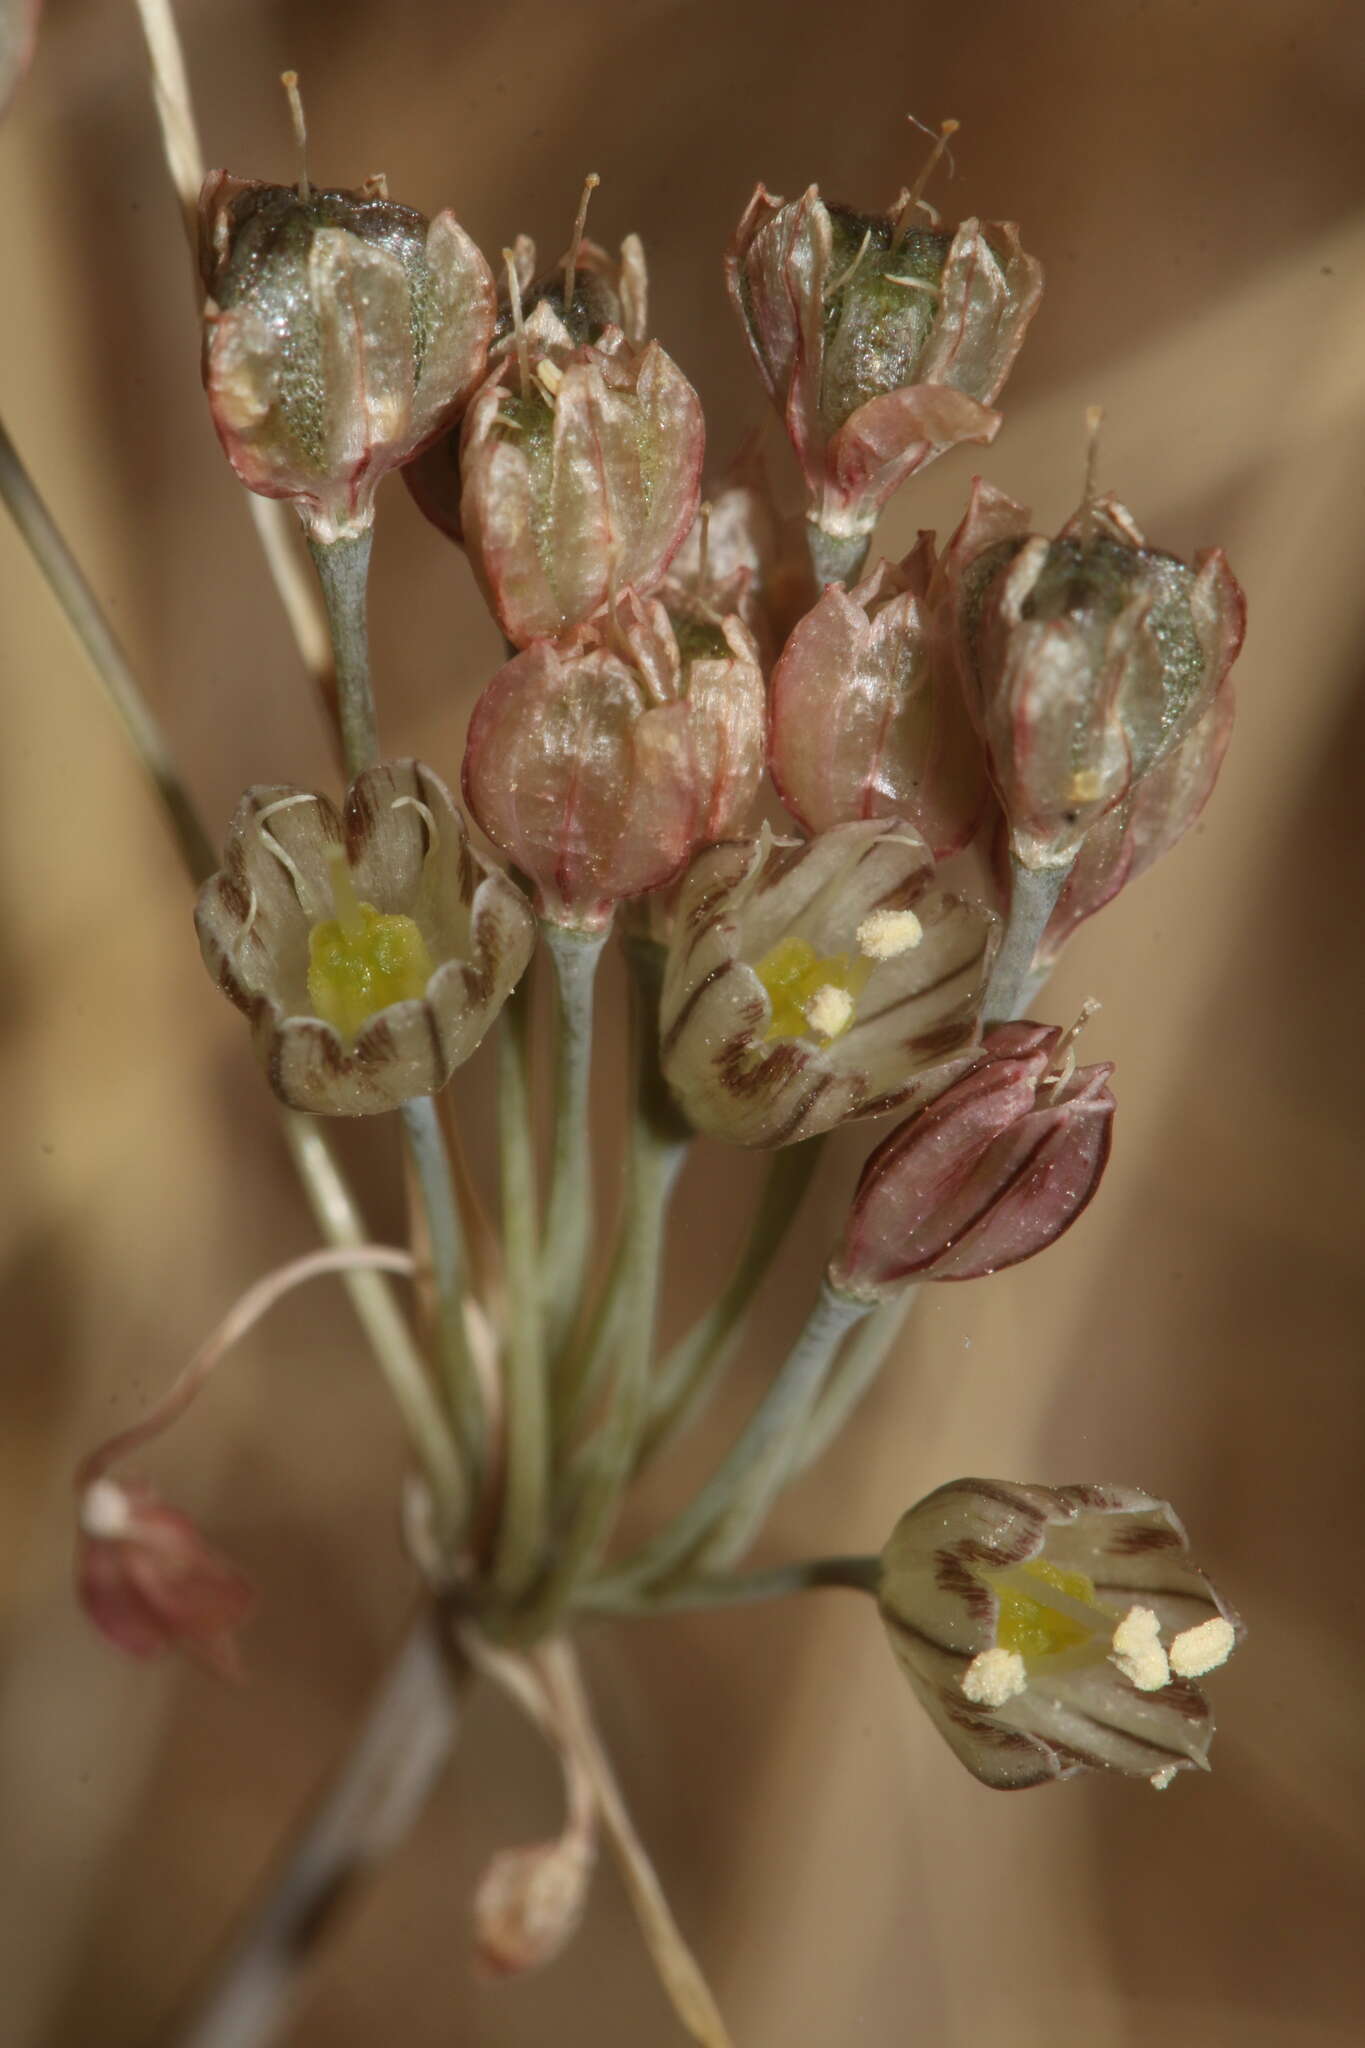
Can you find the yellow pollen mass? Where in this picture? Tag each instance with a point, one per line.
(1031, 1627)
(362, 959)
(805, 987)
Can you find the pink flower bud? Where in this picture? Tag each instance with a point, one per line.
(1051, 1630)
(881, 344)
(581, 766)
(994, 1169)
(866, 720)
(1086, 659)
(149, 1582)
(342, 334)
(580, 472)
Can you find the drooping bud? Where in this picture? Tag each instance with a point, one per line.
(370, 951)
(1040, 1627)
(343, 332)
(530, 1901)
(580, 469)
(990, 1172)
(580, 765)
(149, 1582)
(809, 984)
(867, 719)
(1087, 659)
(881, 343)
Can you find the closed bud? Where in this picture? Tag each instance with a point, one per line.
(990, 1172)
(530, 1901)
(808, 984)
(370, 951)
(1087, 659)
(881, 343)
(580, 468)
(867, 722)
(149, 1582)
(1048, 1630)
(343, 332)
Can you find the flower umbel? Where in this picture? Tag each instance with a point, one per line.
(370, 951)
(1040, 1628)
(807, 984)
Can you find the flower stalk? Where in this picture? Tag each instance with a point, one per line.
(343, 567)
(569, 1211)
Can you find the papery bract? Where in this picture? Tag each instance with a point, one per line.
(149, 1582)
(370, 951)
(342, 333)
(1086, 659)
(579, 482)
(882, 346)
(990, 1172)
(807, 984)
(868, 721)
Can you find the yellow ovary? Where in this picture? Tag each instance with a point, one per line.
(362, 959)
(796, 978)
(1034, 1629)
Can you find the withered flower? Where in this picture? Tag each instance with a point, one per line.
(810, 983)
(580, 467)
(342, 333)
(867, 719)
(1087, 659)
(881, 343)
(990, 1172)
(599, 764)
(370, 951)
(149, 1582)
(1053, 1630)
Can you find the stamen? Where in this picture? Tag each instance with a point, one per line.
(286, 860)
(105, 1511)
(290, 81)
(590, 185)
(1167, 1775)
(703, 544)
(994, 1677)
(518, 323)
(830, 1010)
(844, 275)
(345, 902)
(1137, 1650)
(913, 198)
(428, 818)
(1203, 1648)
(886, 934)
(549, 376)
(1065, 1054)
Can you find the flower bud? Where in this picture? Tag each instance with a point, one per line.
(579, 476)
(1087, 659)
(990, 1172)
(867, 722)
(881, 345)
(149, 1582)
(530, 1901)
(342, 333)
(808, 984)
(1053, 1630)
(370, 951)
(1157, 812)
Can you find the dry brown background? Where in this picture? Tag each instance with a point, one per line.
(1191, 175)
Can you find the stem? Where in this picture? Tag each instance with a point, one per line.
(431, 1163)
(836, 557)
(863, 1574)
(343, 568)
(694, 1364)
(854, 1375)
(369, 1807)
(521, 1537)
(1033, 898)
(569, 1213)
(740, 1491)
(78, 601)
(383, 1322)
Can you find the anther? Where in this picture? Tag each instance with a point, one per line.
(913, 198)
(518, 323)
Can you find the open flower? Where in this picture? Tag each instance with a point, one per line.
(867, 722)
(342, 333)
(149, 1582)
(987, 1174)
(1086, 659)
(580, 468)
(1053, 1630)
(370, 951)
(810, 983)
(881, 344)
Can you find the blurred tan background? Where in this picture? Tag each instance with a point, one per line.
(1192, 173)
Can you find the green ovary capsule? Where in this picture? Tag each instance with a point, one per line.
(357, 968)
